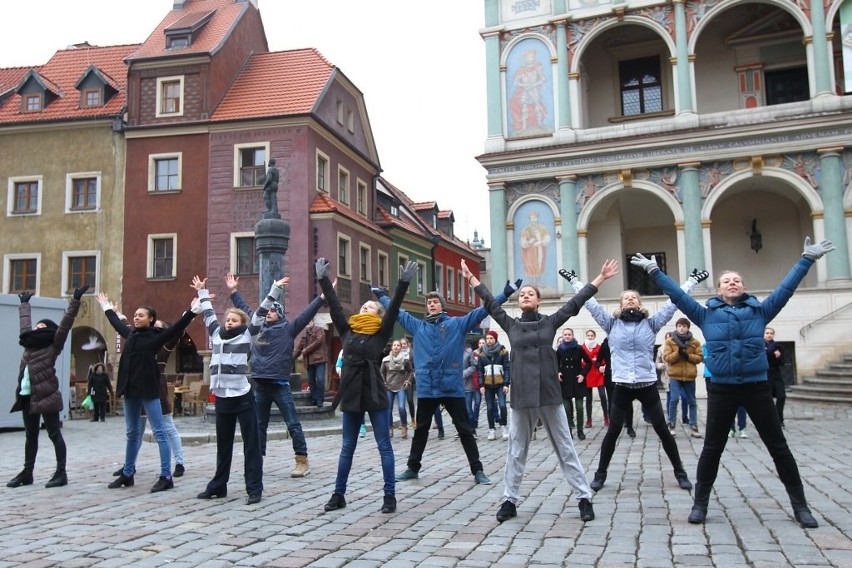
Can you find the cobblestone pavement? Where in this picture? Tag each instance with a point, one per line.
(443, 518)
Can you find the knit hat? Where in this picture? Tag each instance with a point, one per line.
(492, 333)
(279, 309)
(49, 324)
(436, 294)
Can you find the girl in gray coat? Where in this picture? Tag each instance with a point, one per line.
(535, 388)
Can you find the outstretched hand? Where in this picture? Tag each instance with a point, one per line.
(649, 265)
(25, 297)
(78, 292)
(817, 250)
(699, 276)
(512, 287)
(231, 282)
(570, 276)
(321, 268)
(198, 283)
(378, 291)
(407, 272)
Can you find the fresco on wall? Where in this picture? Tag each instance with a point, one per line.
(529, 77)
(535, 245)
(519, 9)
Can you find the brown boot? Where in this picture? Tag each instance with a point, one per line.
(302, 468)
(404, 429)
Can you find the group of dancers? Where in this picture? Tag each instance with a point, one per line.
(733, 324)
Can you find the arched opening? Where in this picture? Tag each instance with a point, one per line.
(87, 348)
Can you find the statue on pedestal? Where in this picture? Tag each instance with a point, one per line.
(270, 190)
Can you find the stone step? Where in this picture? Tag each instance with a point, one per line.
(819, 396)
(836, 373)
(825, 382)
(845, 366)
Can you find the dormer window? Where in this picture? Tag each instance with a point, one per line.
(180, 33)
(32, 102)
(36, 92)
(96, 88)
(394, 210)
(177, 41)
(91, 98)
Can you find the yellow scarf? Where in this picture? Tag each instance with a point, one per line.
(365, 324)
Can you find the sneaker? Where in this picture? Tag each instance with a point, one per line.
(253, 499)
(580, 435)
(507, 511)
(606, 421)
(336, 502)
(480, 478)
(587, 512)
(743, 433)
(684, 419)
(163, 483)
(440, 434)
(492, 434)
(732, 433)
(672, 429)
(212, 494)
(693, 431)
(598, 482)
(389, 504)
(179, 470)
(505, 432)
(407, 474)
(683, 481)
(631, 432)
(121, 481)
(588, 422)
(363, 432)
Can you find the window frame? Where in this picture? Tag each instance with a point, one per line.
(326, 171)
(161, 83)
(152, 238)
(439, 278)
(234, 261)
(451, 285)
(362, 248)
(362, 197)
(462, 284)
(347, 260)
(25, 102)
(65, 288)
(639, 280)
(152, 172)
(84, 98)
(636, 59)
(343, 197)
(8, 259)
(422, 275)
(383, 268)
(12, 197)
(70, 180)
(238, 162)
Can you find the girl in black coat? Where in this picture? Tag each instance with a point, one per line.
(99, 389)
(139, 383)
(362, 389)
(574, 363)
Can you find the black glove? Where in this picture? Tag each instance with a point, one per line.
(683, 354)
(78, 292)
(699, 275)
(407, 272)
(25, 297)
(510, 288)
(378, 292)
(321, 268)
(569, 276)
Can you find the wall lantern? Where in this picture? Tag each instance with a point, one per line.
(755, 237)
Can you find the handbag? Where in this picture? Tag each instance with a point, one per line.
(87, 403)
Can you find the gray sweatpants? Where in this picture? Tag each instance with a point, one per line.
(521, 424)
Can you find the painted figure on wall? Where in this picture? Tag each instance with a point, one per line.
(535, 253)
(531, 100)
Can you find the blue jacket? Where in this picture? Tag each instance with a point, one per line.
(439, 350)
(734, 333)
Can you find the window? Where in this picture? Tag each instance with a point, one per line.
(32, 102)
(461, 288)
(80, 268)
(451, 284)
(173, 42)
(343, 256)
(169, 96)
(365, 264)
(350, 121)
(164, 172)
(394, 210)
(91, 98)
(439, 278)
(322, 173)
(162, 257)
(340, 111)
(343, 186)
(641, 281)
(362, 198)
(470, 294)
(21, 274)
(82, 191)
(247, 263)
(25, 197)
(786, 85)
(421, 277)
(383, 270)
(252, 167)
(641, 86)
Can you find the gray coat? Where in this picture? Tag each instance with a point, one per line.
(535, 380)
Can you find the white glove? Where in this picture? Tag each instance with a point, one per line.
(648, 265)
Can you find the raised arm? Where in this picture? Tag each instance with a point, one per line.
(237, 299)
(584, 294)
(274, 295)
(598, 313)
(112, 316)
(335, 308)
(491, 305)
(25, 312)
(210, 321)
(406, 273)
(68, 317)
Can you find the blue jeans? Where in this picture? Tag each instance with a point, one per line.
(472, 402)
(682, 390)
(399, 396)
(490, 394)
(316, 380)
(265, 394)
(740, 422)
(171, 433)
(381, 432)
(135, 430)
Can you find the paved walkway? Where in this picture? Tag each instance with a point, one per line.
(443, 519)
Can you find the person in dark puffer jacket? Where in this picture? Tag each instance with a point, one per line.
(37, 395)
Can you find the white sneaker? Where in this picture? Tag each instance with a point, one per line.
(492, 435)
(743, 433)
(505, 432)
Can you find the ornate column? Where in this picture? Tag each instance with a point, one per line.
(568, 212)
(684, 86)
(820, 47)
(492, 85)
(562, 83)
(831, 187)
(693, 239)
(499, 256)
(271, 238)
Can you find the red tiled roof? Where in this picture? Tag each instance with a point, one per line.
(325, 204)
(419, 206)
(205, 40)
(273, 84)
(62, 72)
(387, 220)
(11, 77)
(445, 214)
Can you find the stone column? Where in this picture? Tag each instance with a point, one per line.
(684, 86)
(819, 43)
(499, 256)
(492, 85)
(693, 240)
(831, 182)
(271, 239)
(562, 82)
(568, 213)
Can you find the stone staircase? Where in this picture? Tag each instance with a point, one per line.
(831, 384)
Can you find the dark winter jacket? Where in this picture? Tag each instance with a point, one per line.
(362, 388)
(573, 362)
(734, 333)
(45, 397)
(495, 369)
(99, 386)
(534, 366)
(775, 363)
(138, 370)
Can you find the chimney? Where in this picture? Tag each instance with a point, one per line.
(178, 4)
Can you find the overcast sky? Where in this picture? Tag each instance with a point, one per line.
(420, 65)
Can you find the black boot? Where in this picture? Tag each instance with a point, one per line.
(699, 506)
(59, 478)
(683, 480)
(598, 482)
(800, 508)
(23, 478)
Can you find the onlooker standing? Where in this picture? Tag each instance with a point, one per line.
(37, 395)
(100, 389)
(495, 370)
(773, 373)
(574, 362)
(396, 372)
(470, 374)
(682, 353)
(594, 378)
(313, 348)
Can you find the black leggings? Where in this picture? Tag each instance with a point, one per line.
(31, 426)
